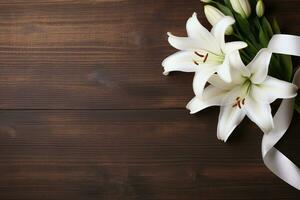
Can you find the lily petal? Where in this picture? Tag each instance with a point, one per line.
(216, 81)
(229, 118)
(197, 31)
(237, 63)
(181, 61)
(201, 77)
(238, 69)
(186, 43)
(231, 97)
(259, 113)
(224, 70)
(272, 89)
(260, 65)
(233, 46)
(212, 96)
(220, 28)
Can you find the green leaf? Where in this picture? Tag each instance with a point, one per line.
(245, 28)
(267, 27)
(275, 26)
(228, 4)
(297, 104)
(263, 38)
(274, 69)
(256, 23)
(243, 23)
(225, 10)
(287, 67)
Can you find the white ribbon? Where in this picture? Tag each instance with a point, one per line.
(277, 162)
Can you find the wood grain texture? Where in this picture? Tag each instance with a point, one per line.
(86, 114)
(97, 54)
(132, 155)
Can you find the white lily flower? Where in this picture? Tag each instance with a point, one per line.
(202, 52)
(214, 15)
(249, 94)
(242, 7)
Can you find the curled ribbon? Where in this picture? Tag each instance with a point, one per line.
(277, 162)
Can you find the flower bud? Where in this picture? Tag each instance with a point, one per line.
(260, 8)
(214, 15)
(242, 7)
(206, 1)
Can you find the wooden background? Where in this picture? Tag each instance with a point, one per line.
(86, 113)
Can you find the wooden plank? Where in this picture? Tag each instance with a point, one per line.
(163, 155)
(106, 54)
(88, 54)
(96, 54)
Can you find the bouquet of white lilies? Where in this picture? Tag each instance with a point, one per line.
(242, 77)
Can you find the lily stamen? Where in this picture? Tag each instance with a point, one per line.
(198, 54)
(205, 57)
(239, 103)
(243, 102)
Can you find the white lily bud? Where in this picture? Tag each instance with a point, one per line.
(260, 8)
(242, 7)
(214, 15)
(206, 1)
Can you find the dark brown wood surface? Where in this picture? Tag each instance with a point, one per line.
(86, 113)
